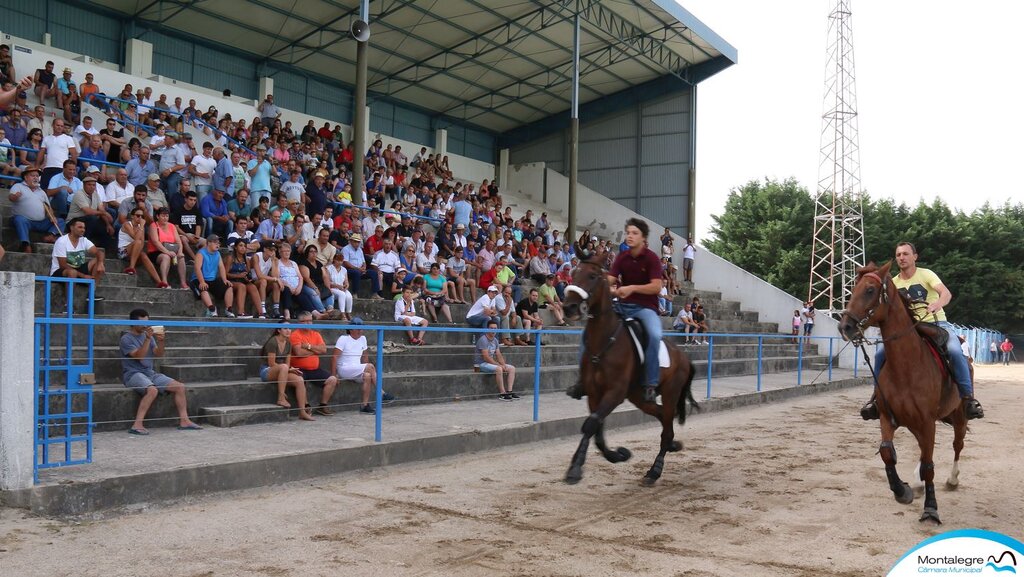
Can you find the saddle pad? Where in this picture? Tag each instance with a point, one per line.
(663, 359)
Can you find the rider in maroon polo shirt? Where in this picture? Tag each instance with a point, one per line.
(635, 278)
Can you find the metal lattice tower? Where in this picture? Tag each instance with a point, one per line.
(838, 218)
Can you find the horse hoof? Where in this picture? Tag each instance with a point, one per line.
(624, 454)
(952, 484)
(573, 476)
(930, 514)
(906, 495)
(649, 481)
(675, 447)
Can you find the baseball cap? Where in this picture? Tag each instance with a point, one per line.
(355, 321)
(89, 179)
(213, 238)
(153, 176)
(494, 288)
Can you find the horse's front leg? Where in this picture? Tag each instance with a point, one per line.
(619, 455)
(590, 427)
(902, 491)
(926, 439)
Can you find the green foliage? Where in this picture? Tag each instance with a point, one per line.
(766, 228)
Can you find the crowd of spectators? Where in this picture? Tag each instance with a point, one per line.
(278, 199)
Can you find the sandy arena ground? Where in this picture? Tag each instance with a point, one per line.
(786, 489)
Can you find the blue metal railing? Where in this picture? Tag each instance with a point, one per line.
(59, 418)
(191, 118)
(383, 329)
(80, 159)
(388, 211)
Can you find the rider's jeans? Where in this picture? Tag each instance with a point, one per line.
(961, 371)
(652, 324)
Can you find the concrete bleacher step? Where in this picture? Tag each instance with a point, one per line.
(114, 405)
(190, 373)
(233, 416)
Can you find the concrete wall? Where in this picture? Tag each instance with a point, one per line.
(17, 298)
(28, 56)
(639, 156)
(604, 217)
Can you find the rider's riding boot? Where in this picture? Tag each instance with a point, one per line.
(651, 393)
(973, 408)
(575, 391)
(869, 412)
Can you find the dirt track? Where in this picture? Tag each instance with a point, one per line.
(787, 489)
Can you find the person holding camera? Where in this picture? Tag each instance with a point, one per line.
(139, 345)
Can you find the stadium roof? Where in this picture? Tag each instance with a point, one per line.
(498, 64)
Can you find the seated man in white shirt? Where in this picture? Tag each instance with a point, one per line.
(685, 324)
(351, 363)
(386, 262)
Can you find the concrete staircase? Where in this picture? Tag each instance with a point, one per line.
(221, 366)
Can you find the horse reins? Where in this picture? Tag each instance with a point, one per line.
(585, 297)
(882, 299)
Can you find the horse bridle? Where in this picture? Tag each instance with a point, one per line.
(883, 299)
(584, 294)
(584, 307)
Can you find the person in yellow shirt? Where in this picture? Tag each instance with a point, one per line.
(923, 285)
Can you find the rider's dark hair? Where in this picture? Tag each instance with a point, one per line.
(642, 225)
(913, 249)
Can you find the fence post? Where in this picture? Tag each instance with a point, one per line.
(379, 393)
(536, 377)
(17, 388)
(760, 353)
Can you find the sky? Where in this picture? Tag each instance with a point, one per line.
(939, 99)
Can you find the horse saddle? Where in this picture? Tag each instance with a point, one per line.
(639, 336)
(937, 338)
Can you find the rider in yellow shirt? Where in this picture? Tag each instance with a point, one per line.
(923, 285)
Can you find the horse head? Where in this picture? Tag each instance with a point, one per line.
(589, 286)
(869, 302)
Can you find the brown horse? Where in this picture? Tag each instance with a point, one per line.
(912, 390)
(611, 372)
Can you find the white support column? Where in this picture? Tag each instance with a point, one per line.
(138, 59)
(441, 142)
(266, 87)
(502, 175)
(17, 304)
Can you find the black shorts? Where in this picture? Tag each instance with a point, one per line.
(315, 376)
(84, 269)
(216, 287)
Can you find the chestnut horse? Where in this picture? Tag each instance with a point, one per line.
(611, 372)
(912, 389)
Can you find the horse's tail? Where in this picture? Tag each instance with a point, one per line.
(687, 394)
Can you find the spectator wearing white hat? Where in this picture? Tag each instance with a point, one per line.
(485, 309)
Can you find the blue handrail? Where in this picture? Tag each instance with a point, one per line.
(383, 328)
(388, 211)
(191, 117)
(90, 160)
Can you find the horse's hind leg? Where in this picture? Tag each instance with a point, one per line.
(668, 443)
(619, 455)
(959, 432)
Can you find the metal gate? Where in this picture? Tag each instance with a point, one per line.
(63, 399)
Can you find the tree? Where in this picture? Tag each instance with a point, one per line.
(765, 229)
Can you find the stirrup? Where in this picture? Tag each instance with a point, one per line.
(869, 412)
(575, 391)
(651, 393)
(974, 410)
